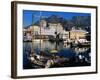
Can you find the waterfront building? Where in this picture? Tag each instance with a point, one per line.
(57, 26)
(65, 35)
(77, 34)
(43, 23)
(36, 30)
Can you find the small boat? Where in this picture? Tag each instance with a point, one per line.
(53, 51)
(86, 44)
(35, 59)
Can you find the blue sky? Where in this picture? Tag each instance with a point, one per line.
(27, 15)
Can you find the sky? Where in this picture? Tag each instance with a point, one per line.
(29, 14)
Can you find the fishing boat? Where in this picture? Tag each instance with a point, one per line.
(85, 44)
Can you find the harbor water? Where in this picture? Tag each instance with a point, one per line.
(75, 54)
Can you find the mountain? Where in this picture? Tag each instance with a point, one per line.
(83, 22)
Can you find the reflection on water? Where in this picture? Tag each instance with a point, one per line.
(63, 49)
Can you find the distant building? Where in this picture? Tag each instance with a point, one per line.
(77, 34)
(43, 23)
(65, 35)
(36, 30)
(57, 26)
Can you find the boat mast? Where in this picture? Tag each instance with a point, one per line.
(32, 50)
(40, 31)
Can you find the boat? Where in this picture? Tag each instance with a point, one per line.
(27, 39)
(85, 44)
(53, 51)
(47, 61)
(37, 60)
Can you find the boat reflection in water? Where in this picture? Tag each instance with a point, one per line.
(54, 54)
